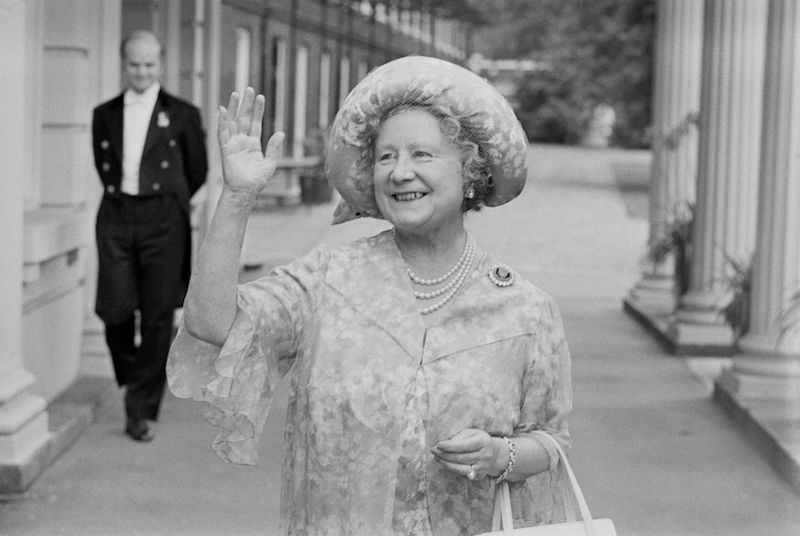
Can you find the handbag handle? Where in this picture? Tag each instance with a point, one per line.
(502, 500)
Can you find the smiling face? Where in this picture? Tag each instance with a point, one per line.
(418, 174)
(142, 63)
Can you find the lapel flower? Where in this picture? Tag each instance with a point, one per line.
(163, 120)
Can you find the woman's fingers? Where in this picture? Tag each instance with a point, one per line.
(463, 469)
(222, 126)
(244, 117)
(233, 106)
(464, 441)
(258, 116)
(273, 149)
(468, 449)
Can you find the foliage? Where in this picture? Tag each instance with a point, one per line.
(551, 108)
(599, 51)
(676, 240)
(737, 311)
(790, 318)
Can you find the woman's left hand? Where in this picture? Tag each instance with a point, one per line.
(471, 453)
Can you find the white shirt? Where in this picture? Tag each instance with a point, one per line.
(136, 119)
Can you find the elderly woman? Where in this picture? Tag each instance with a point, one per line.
(421, 366)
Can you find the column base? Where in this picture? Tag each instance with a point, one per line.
(767, 409)
(23, 427)
(699, 327)
(696, 328)
(69, 415)
(709, 340)
(654, 294)
(651, 302)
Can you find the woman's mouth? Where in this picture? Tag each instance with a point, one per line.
(408, 196)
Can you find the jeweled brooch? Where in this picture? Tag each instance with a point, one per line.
(501, 276)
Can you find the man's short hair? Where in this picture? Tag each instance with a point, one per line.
(140, 35)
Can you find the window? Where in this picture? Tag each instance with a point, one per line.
(344, 79)
(278, 84)
(300, 100)
(363, 68)
(242, 72)
(324, 89)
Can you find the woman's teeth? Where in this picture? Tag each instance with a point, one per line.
(411, 196)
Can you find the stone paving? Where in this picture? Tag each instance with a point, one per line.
(651, 449)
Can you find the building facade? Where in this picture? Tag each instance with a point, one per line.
(61, 59)
(726, 125)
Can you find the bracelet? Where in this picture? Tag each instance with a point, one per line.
(512, 457)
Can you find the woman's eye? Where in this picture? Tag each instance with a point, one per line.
(385, 157)
(422, 154)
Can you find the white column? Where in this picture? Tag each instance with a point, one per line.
(676, 102)
(95, 359)
(770, 364)
(728, 160)
(212, 37)
(23, 419)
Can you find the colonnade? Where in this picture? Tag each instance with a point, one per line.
(733, 65)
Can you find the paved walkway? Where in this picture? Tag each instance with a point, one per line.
(651, 449)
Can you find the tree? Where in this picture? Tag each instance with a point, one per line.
(598, 51)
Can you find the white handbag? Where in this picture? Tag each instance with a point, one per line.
(587, 526)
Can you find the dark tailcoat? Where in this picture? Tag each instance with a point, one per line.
(144, 241)
(174, 160)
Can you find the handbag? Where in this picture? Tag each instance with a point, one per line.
(573, 495)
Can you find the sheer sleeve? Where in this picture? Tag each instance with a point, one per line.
(546, 404)
(237, 380)
(547, 385)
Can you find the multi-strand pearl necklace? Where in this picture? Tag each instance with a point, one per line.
(452, 281)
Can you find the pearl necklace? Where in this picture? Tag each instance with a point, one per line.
(457, 275)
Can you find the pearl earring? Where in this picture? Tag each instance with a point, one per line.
(470, 193)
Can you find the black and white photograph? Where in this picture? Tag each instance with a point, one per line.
(400, 268)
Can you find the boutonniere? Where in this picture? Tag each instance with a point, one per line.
(163, 120)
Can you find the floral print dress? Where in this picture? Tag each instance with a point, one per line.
(373, 389)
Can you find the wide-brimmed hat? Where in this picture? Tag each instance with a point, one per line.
(421, 80)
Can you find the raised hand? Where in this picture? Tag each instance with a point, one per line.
(245, 168)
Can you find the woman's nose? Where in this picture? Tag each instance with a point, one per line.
(403, 170)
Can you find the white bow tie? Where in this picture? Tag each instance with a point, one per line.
(136, 99)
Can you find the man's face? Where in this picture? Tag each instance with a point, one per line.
(142, 64)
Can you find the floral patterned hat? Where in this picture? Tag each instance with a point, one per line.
(426, 81)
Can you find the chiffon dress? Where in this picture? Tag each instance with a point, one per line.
(373, 390)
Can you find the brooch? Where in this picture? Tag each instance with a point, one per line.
(163, 120)
(501, 276)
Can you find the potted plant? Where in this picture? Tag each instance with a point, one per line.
(676, 240)
(737, 311)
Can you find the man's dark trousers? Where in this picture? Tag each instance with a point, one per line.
(144, 241)
(141, 250)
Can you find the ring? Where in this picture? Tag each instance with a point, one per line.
(472, 474)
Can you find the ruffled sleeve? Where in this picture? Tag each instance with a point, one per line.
(546, 404)
(238, 379)
(547, 385)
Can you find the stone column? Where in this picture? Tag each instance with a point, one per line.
(769, 366)
(95, 359)
(728, 160)
(676, 101)
(212, 37)
(23, 418)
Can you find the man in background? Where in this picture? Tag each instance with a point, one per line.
(149, 149)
